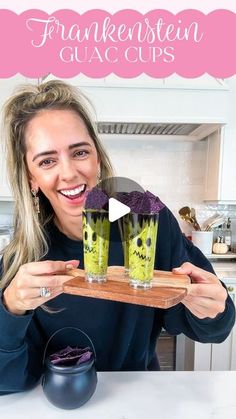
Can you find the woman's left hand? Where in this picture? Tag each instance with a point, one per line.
(206, 295)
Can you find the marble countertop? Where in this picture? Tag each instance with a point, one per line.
(138, 395)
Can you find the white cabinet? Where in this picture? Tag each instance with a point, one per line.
(144, 99)
(5, 192)
(228, 174)
(221, 167)
(209, 357)
(7, 87)
(218, 357)
(223, 356)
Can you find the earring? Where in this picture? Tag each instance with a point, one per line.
(35, 201)
(99, 175)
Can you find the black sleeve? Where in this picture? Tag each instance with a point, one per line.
(20, 356)
(179, 319)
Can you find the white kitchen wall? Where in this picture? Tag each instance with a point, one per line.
(175, 171)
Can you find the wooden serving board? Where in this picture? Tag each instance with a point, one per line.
(167, 290)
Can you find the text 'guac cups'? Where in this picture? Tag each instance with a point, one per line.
(141, 247)
(96, 234)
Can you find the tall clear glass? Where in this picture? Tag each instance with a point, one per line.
(142, 248)
(96, 234)
(124, 232)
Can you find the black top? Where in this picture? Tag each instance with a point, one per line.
(124, 335)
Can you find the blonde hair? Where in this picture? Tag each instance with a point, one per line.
(29, 240)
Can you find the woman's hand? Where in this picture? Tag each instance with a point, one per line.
(23, 293)
(206, 295)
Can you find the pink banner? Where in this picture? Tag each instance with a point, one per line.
(126, 43)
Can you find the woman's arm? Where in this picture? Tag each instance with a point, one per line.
(20, 357)
(21, 341)
(202, 324)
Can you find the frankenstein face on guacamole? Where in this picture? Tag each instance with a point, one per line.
(96, 231)
(142, 246)
(141, 226)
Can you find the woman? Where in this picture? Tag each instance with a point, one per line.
(54, 158)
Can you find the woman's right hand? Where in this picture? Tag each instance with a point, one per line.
(23, 293)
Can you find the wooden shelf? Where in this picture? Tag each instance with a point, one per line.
(167, 290)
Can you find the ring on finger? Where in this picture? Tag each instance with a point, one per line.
(44, 292)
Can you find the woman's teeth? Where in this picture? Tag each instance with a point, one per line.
(73, 192)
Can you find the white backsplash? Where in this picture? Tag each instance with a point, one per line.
(175, 171)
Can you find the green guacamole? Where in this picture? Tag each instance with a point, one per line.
(96, 232)
(142, 246)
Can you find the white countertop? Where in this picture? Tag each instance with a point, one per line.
(138, 395)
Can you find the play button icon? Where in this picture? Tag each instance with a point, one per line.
(114, 188)
(116, 209)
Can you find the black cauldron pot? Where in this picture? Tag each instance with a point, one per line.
(69, 387)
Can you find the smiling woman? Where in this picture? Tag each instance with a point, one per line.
(52, 144)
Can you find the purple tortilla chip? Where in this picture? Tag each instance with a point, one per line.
(96, 199)
(84, 357)
(141, 202)
(71, 356)
(123, 197)
(62, 353)
(156, 205)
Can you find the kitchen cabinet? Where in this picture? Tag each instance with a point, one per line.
(221, 168)
(174, 81)
(173, 100)
(223, 356)
(5, 192)
(7, 87)
(209, 357)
